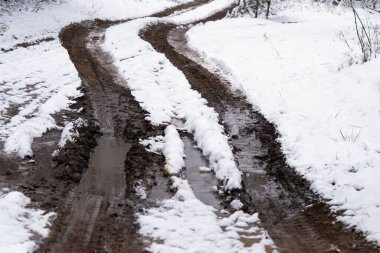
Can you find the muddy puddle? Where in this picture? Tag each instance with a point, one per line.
(101, 186)
(202, 182)
(105, 175)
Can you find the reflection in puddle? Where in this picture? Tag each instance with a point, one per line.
(105, 175)
(202, 183)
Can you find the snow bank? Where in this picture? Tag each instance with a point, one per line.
(19, 223)
(173, 151)
(164, 92)
(171, 146)
(294, 69)
(185, 224)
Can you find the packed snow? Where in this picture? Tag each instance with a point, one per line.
(164, 92)
(19, 223)
(296, 70)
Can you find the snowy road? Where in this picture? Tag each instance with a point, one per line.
(182, 163)
(101, 200)
(168, 87)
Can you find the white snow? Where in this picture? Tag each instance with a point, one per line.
(70, 132)
(294, 69)
(184, 224)
(19, 223)
(51, 18)
(39, 81)
(204, 169)
(154, 144)
(171, 146)
(140, 190)
(173, 151)
(35, 83)
(236, 204)
(164, 92)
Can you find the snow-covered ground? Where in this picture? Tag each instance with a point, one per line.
(296, 71)
(35, 83)
(19, 223)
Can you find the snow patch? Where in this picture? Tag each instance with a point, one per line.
(70, 132)
(173, 151)
(19, 223)
(32, 90)
(185, 224)
(205, 169)
(40, 80)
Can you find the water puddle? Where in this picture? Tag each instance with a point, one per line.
(101, 186)
(105, 175)
(202, 183)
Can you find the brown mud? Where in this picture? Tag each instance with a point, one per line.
(98, 214)
(295, 217)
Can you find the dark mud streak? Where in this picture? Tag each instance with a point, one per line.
(295, 217)
(27, 44)
(114, 229)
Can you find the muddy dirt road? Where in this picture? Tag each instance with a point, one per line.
(93, 184)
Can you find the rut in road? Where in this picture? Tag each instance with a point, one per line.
(295, 218)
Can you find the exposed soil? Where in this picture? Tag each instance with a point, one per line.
(295, 217)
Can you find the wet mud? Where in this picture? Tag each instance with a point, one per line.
(295, 217)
